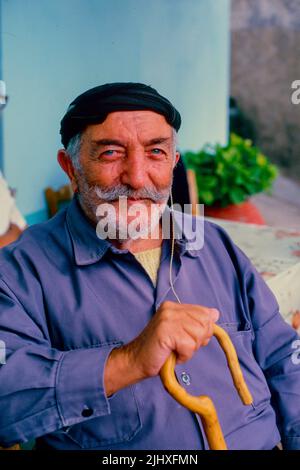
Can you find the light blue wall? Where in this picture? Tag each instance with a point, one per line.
(55, 49)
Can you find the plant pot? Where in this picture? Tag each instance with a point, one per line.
(245, 212)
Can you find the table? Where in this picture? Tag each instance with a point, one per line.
(275, 252)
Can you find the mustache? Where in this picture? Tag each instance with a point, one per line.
(121, 190)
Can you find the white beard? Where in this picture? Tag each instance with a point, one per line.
(143, 224)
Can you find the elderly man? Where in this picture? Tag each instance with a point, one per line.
(88, 322)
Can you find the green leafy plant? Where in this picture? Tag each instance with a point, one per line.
(230, 174)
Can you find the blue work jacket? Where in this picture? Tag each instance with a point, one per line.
(67, 299)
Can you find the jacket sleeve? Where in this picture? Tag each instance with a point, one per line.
(43, 389)
(276, 347)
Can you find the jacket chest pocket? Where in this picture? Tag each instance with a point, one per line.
(253, 374)
(210, 376)
(233, 414)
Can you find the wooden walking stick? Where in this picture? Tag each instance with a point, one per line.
(203, 405)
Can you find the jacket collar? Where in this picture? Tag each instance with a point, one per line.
(88, 248)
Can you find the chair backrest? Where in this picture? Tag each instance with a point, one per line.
(56, 198)
(184, 187)
(14, 447)
(193, 191)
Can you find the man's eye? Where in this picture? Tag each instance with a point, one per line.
(110, 154)
(157, 151)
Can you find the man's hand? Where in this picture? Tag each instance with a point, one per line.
(179, 328)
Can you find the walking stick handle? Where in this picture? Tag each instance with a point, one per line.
(203, 405)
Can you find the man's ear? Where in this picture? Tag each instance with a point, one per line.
(177, 156)
(66, 164)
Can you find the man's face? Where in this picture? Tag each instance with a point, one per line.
(131, 154)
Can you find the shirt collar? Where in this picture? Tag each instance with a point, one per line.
(89, 249)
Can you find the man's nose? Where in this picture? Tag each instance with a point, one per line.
(134, 172)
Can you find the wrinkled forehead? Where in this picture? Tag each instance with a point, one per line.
(143, 125)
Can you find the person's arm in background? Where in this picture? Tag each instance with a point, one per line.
(10, 236)
(12, 223)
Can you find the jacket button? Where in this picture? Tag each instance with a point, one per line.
(186, 378)
(87, 412)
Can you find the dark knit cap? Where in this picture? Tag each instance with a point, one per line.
(93, 106)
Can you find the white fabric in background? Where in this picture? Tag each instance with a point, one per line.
(9, 212)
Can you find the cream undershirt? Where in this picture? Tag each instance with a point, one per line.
(150, 260)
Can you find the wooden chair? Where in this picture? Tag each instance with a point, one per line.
(57, 198)
(184, 187)
(14, 447)
(193, 191)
